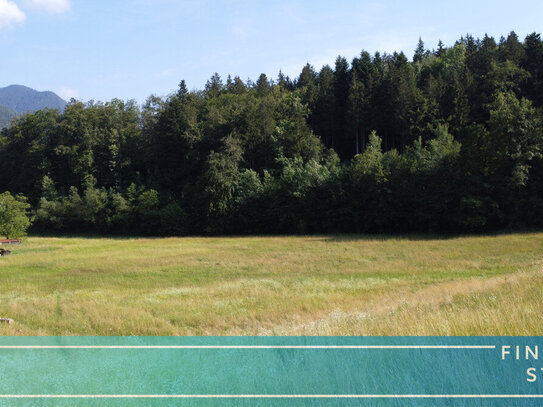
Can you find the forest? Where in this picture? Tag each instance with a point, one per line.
(448, 141)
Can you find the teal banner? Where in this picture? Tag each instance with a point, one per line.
(271, 371)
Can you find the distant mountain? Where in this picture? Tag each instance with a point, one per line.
(6, 115)
(22, 99)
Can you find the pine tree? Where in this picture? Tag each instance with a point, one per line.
(262, 85)
(342, 81)
(307, 85)
(440, 49)
(322, 120)
(214, 86)
(511, 49)
(533, 63)
(420, 52)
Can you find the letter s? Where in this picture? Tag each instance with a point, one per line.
(532, 377)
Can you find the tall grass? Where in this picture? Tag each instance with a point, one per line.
(320, 285)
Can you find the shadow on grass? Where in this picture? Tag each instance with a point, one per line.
(89, 236)
(423, 236)
(332, 237)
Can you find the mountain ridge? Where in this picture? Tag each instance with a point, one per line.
(19, 99)
(23, 99)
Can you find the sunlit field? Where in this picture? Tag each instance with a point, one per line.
(318, 285)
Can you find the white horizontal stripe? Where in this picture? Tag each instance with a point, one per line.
(248, 347)
(283, 396)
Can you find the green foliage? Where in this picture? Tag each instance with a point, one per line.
(370, 163)
(221, 172)
(6, 116)
(442, 147)
(517, 136)
(173, 220)
(452, 141)
(14, 219)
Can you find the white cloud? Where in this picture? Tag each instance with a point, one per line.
(67, 93)
(10, 14)
(50, 6)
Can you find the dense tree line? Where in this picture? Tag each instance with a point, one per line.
(449, 141)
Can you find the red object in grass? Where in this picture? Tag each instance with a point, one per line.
(10, 241)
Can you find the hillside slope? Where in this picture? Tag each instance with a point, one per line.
(23, 99)
(6, 115)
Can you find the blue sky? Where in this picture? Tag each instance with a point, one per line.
(101, 49)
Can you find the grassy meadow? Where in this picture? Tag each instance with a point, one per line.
(318, 285)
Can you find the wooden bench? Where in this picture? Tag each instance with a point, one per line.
(10, 241)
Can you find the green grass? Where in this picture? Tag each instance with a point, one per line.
(320, 285)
